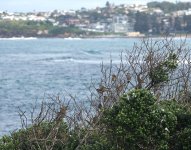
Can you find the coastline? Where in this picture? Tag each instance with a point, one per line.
(95, 37)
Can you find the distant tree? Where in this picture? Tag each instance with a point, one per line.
(95, 17)
(183, 5)
(107, 4)
(188, 22)
(153, 4)
(168, 7)
(141, 23)
(177, 24)
(153, 23)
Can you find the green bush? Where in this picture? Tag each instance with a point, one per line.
(138, 121)
(160, 73)
(36, 137)
(182, 140)
(65, 140)
(181, 136)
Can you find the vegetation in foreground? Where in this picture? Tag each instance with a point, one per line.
(142, 103)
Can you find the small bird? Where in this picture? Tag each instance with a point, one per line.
(128, 76)
(61, 114)
(100, 106)
(114, 77)
(119, 88)
(105, 98)
(140, 81)
(101, 89)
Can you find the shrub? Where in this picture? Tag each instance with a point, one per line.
(182, 140)
(138, 123)
(181, 136)
(36, 137)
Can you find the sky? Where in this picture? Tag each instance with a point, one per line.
(48, 5)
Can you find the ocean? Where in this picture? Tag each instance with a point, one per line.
(32, 69)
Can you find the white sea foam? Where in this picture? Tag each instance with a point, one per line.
(83, 61)
(19, 38)
(70, 38)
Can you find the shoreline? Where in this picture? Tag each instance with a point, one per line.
(95, 37)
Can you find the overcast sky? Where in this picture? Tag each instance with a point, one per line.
(46, 5)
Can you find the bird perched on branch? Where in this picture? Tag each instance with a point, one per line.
(61, 114)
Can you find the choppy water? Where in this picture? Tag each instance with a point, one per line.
(31, 68)
(34, 67)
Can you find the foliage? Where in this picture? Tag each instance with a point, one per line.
(153, 23)
(168, 7)
(160, 73)
(35, 137)
(147, 23)
(182, 140)
(21, 28)
(141, 24)
(66, 140)
(181, 136)
(136, 122)
(62, 30)
(31, 28)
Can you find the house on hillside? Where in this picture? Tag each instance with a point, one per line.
(122, 24)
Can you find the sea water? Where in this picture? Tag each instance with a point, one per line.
(31, 69)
